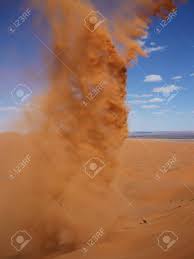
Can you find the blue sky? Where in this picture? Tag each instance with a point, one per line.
(160, 87)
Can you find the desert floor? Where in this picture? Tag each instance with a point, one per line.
(153, 194)
(153, 204)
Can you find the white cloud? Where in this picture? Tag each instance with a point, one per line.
(141, 43)
(146, 95)
(142, 40)
(137, 101)
(166, 90)
(192, 74)
(139, 95)
(151, 106)
(153, 100)
(153, 78)
(154, 49)
(152, 43)
(145, 37)
(156, 100)
(177, 77)
(153, 46)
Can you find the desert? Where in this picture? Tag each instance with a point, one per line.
(96, 129)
